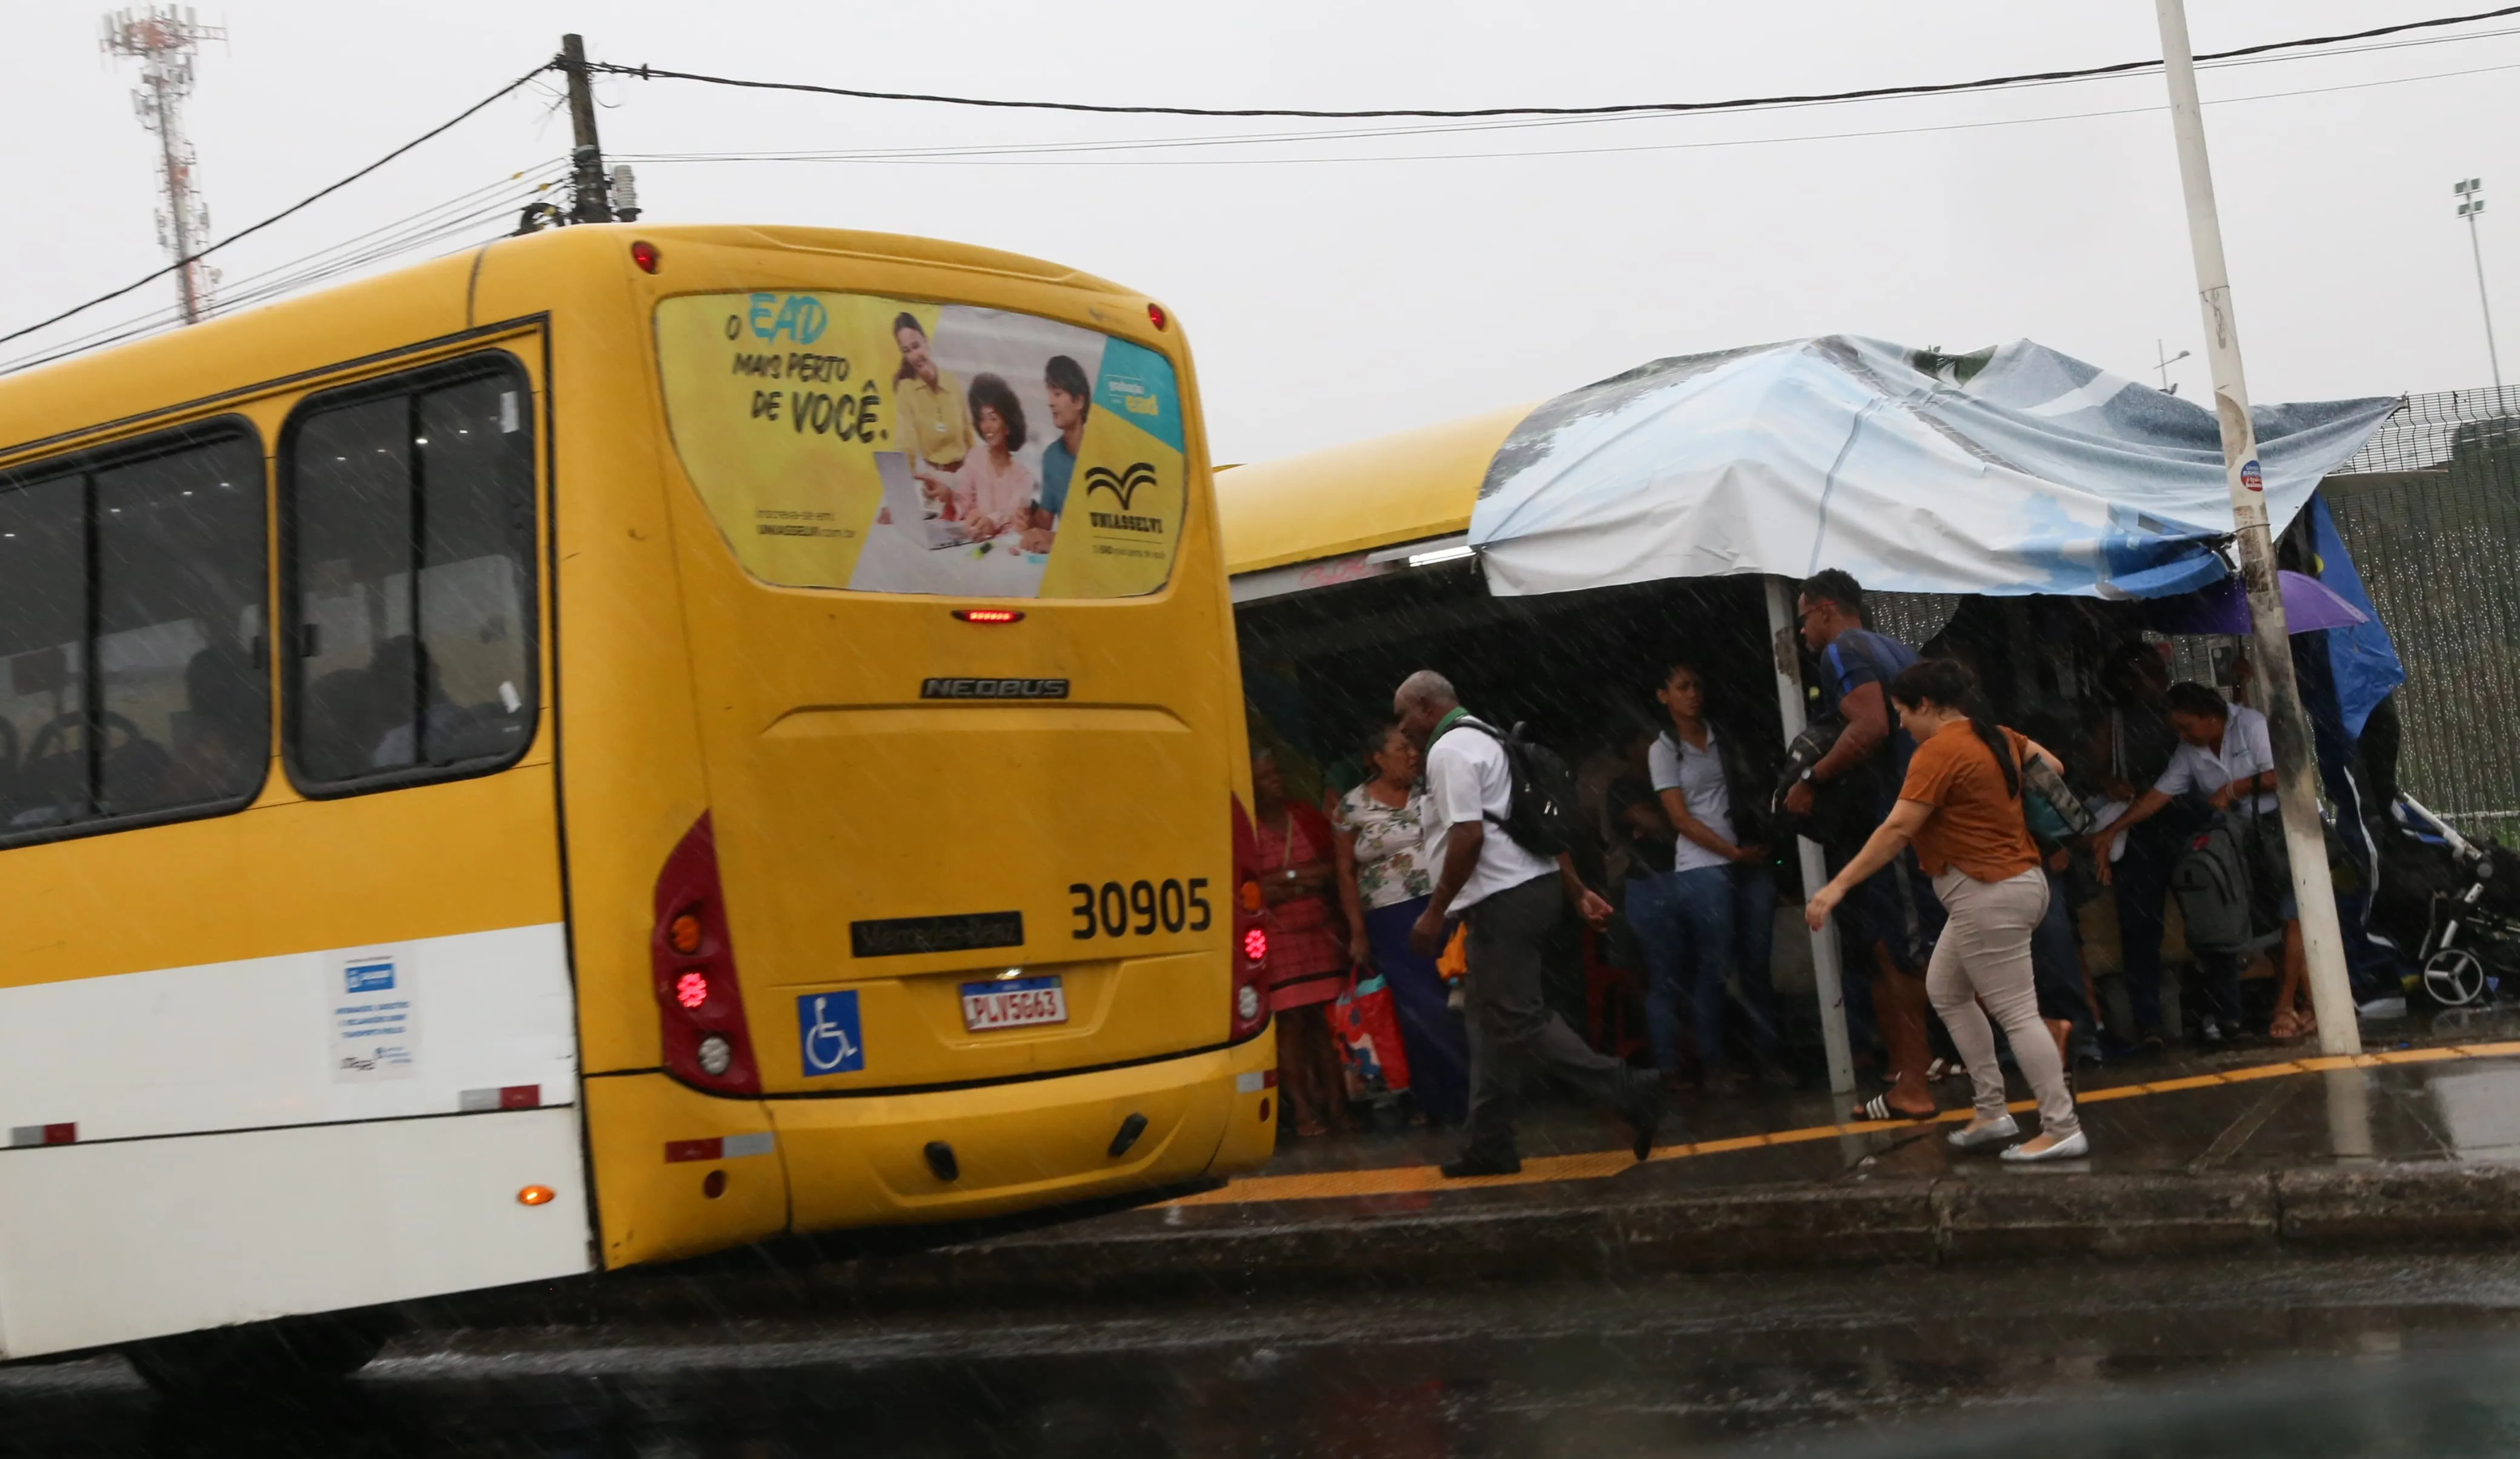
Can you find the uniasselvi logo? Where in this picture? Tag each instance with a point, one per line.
(1123, 485)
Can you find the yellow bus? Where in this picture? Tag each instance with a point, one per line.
(618, 744)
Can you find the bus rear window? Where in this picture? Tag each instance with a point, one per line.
(847, 440)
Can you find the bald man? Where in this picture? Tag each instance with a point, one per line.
(1513, 899)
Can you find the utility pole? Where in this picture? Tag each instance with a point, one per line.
(2331, 996)
(588, 203)
(165, 39)
(1829, 978)
(2471, 202)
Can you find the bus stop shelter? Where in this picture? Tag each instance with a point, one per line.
(2011, 471)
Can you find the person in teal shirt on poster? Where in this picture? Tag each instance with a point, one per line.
(1071, 399)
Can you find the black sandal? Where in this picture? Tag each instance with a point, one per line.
(1878, 1106)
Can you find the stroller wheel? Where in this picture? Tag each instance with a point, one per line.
(2455, 976)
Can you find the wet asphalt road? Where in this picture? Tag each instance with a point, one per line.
(2297, 1359)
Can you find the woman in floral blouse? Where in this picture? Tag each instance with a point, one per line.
(1386, 870)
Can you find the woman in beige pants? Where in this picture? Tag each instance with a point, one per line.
(1961, 807)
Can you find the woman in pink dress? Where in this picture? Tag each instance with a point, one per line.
(992, 491)
(1308, 961)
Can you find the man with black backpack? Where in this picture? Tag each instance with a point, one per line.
(1508, 805)
(1889, 920)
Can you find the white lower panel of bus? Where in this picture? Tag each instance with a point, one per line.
(427, 1026)
(102, 1243)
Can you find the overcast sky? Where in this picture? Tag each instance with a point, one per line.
(1342, 288)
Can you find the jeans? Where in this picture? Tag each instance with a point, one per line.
(2140, 881)
(1439, 1049)
(1510, 1023)
(1693, 925)
(2218, 980)
(2057, 961)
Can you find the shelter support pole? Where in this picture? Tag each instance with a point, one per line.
(2279, 697)
(1828, 972)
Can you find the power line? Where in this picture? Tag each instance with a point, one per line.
(294, 207)
(1028, 154)
(1869, 93)
(954, 151)
(492, 203)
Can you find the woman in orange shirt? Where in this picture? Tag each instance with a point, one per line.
(1962, 807)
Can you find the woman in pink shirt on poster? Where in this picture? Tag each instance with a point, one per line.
(992, 491)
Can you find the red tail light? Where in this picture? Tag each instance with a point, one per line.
(706, 1044)
(1250, 951)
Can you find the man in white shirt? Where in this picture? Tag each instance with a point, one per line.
(1511, 897)
(2225, 756)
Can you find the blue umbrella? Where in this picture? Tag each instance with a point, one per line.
(2309, 607)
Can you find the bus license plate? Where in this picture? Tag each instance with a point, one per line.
(1013, 1003)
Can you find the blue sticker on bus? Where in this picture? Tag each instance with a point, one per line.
(827, 1032)
(368, 978)
(1137, 387)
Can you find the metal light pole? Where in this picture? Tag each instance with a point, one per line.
(2471, 202)
(2296, 788)
(2162, 362)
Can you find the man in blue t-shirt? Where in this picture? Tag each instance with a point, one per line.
(1890, 918)
(1071, 399)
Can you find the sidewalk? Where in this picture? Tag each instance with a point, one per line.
(2252, 1152)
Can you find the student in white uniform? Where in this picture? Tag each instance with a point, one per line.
(1714, 910)
(2225, 757)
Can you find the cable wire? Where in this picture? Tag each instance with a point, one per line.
(1065, 154)
(950, 151)
(464, 214)
(294, 207)
(1869, 93)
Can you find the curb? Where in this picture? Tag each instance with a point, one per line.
(1230, 1250)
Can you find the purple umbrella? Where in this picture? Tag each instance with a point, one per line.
(2309, 606)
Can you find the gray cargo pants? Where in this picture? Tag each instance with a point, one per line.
(1512, 1026)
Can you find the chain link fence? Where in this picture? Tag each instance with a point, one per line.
(2430, 509)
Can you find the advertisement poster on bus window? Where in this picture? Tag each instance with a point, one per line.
(846, 440)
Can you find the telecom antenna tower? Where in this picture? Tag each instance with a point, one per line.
(167, 39)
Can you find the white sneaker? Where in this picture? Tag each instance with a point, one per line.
(2072, 1147)
(1970, 1137)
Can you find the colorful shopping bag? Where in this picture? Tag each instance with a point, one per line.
(1369, 1035)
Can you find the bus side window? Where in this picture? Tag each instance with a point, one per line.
(146, 561)
(409, 505)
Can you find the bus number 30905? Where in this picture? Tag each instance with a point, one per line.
(1114, 910)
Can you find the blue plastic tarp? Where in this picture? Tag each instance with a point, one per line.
(2364, 661)
(2012, 471)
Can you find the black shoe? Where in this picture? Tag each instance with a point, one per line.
(1468, 1167)
(1645, 1109)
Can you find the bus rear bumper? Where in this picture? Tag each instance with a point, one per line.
(875, 1160)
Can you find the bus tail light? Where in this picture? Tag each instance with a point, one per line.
(1249, 953)
(699, 1001)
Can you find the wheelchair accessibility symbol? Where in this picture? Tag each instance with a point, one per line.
(827, 1032)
